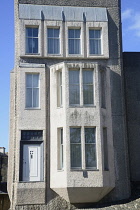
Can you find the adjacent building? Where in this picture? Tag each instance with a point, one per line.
(68, 138)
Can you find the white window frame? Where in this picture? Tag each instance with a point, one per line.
(97, 39)
(74, 39)
(59, 89)
(74, 25)
(81, 94)
(53, 38)
(32, 107)
(103, 26)
(53, 24)
(60, 149)
(31, 37)
(22, 38)
(83, 150)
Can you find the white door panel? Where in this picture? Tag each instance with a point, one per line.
(31, 162)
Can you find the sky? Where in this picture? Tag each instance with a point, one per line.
(131, 43)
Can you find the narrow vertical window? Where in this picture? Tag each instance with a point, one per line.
(103, 90)
(59, 89)
(53, 40)
(105, 149)
(88, 87)
(60, 149)
(90, 148)
(75, 147)
(74, 87)
(74, 41)
(94, 42)
(32, 90)
(31, 40)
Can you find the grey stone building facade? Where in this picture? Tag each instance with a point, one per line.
(68, 130)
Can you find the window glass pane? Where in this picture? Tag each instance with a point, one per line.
(75, 155)
(31, 40)
(75, 135)
(74, 41)
(94, 33)
(95, 46)
(74, 94)
(35, 45)
(87, 77)
(29, 45)
(90, 154)
(36, 97)
(77, 33)
(56, 33)
(29, 32)
(50, 32)
(71, 46)
(35, 32)
(29, 97)
(56, 46)
(50, 46)
(88, 94)
(71, 33)
(88, 87)
(77, 46)
(74, 77)
(95, 41)
(53, 41)
(105, 143)
(97, 33)
(89, 135)
(28, 80)
(35, 80)
(74, 87)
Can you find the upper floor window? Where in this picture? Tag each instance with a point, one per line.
(53, 40)
(32, 90)
(59, 89)
(94, 42)
(74, 87)
(81, 91)
(87, 87)
(74, 44)
(31, 40)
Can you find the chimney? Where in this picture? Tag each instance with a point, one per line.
(2, 150)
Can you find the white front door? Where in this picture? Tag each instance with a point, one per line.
(31, 162)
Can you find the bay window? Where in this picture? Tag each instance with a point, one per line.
(74, 87)
(59, 89)
(75, 147)
(90, 148)
(81, 87)
(83, 150)
(32, 90)
(87, 87)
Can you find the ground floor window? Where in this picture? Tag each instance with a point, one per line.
(83, 148)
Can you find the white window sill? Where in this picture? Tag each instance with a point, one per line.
(32, 109)
(82, 106)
